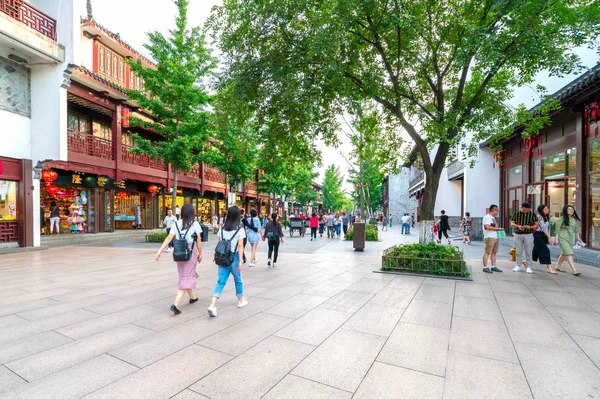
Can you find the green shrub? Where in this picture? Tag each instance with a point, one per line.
(156, 236)
(371, 233)
(432, 259)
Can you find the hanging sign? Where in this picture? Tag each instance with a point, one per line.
(534, 189)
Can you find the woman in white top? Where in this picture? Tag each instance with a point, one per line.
(186, 227)
(231, 230)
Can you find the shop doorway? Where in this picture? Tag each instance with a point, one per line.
(558, 194)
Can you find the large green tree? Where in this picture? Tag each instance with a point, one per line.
(333, 197)
(440, 68)
(175, 96)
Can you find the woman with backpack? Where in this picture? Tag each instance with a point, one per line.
(254, 235)
(232, 235)
(273, 234)
(185, 229)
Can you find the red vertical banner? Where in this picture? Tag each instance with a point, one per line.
(125, 117)
(95, 59)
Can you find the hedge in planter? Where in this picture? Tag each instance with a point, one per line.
(371, 233)
(156, 237)
(430, 259)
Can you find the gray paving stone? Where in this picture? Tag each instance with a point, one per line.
(396, 297)
(276, 355)
(73, 382)
(514, 303)
(574, 375)
(314, 327)
(428, 292)
(540, 330)
(441, 282)
(165, 319)
(473, 377)
(578, 321)
(342, 360)
(166, 377)
(12, 320)
(240, 337)
(81, 294)
(293, 387)
(104, 323)
(416, 347)
(9, 380)
(510, 287)
(428, 313)
(410, 283)
(482, 338)
(472, 290)
(30, 345)
(477, 308)
(369, 285)
(347, 301)
(375, 319)
(297, 305)
(44, 363)
(187, 394)
(283, 293)
(591, 347)
(36, 303)
(329, 288)
(118, 304)
(59, 308)
(559, 299)
(385, 381)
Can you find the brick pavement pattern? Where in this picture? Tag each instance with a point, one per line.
(94, 322)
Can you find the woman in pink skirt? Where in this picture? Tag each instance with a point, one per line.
(186, 227)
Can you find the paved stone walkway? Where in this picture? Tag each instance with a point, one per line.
(94, 322)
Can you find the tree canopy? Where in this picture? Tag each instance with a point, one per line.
(333, 197)
(439, 68)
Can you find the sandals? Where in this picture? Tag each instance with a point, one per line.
(559, 270)
(577, 274)
(551, 272)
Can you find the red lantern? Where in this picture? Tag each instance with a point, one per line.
(122, 194)
(52, 189)
(48, 175)
(153, 189)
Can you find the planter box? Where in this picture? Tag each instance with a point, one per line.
(433, 265)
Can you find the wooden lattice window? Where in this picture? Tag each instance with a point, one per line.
(111, 65)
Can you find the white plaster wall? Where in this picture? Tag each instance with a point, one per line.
(86, 52)
(15, 135)
(400, 202)
(448, 196)
(481, 184)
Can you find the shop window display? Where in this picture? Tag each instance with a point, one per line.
(129, 211)
(8, 200)
(73, 205)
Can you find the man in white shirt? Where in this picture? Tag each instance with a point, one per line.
(168, 223)
(177, 212)
(490, 237)
(405, 224)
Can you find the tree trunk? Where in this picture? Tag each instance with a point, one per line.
(174, 194)
(427, 206)
(362, 193)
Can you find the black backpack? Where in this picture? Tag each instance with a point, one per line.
(223, 254)
(272, 232)
(181, 251)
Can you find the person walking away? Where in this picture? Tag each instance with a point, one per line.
(443, 223)
(247, 226)
(168, 223)
(274, 235)
(524, 222)
(405, 220)
(566, 227)
(314, 225)
(541, 239)
(465, 226)
(177, 212)
(54, 217)
(322, 221)
(412, 218)
(329, 222)
(385, 223)
(345, 222)
(231, 231)
(490, 238)
(254, 235)
(186, 228)
(337, 225)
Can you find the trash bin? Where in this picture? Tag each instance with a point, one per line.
(359, 236)
(204, 233)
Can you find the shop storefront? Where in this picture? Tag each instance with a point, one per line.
(204, 208)
(16, 208)
(9, 226)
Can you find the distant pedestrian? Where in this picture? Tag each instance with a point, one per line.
(314, 226)
(391, 219)
(186, 228)
(168, 223)
(412, 218)
(541, 239)
(254, 235)
(405, 223)
(524, 222)
(490, 238)
(247, 226)
(231, 231)
(566, 227)
(443, 224)
(337, 225)
(177, 212)
(54, 217)
(274, 235)
(385, 223)
(345, 222)
(322, 222)
(465, 227)
(329, 221)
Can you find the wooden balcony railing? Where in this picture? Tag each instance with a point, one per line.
(139, 159)
(213, 174)
(85, 143)
(194, 172)
(30, 16)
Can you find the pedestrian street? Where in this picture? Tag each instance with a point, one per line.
(94, 322)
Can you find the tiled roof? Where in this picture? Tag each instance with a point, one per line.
(99, 78)
(117, 37)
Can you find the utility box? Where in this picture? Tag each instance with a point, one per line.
(204, 237)
(359, 237)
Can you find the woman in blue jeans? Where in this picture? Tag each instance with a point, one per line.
(231, 231)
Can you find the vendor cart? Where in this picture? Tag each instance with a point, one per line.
(297, 224)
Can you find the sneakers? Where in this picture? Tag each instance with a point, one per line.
(517, 269)
(487, 270)
(496, 269)
(274, 264)
(252, 263)
(241, 304)
(269, 263)
(170, 249)
(529, 271)
(212, 311)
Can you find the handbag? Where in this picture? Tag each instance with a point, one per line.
(501, 234)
